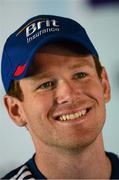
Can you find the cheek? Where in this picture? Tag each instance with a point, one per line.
(39, 105)
(37, 116)
(94, 89)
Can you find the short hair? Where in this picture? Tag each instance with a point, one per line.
(15, 89)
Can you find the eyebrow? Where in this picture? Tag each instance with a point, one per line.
(82, 63)
(42, 75)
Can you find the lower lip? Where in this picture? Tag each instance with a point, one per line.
(75, 121)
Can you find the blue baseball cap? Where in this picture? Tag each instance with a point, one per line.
(21, 46)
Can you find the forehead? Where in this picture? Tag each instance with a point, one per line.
(51, 53)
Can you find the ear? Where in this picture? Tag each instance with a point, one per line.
(15, 111)
(105, 85)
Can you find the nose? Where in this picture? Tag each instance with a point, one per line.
(66, 92)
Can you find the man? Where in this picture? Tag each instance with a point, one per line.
(57, 89)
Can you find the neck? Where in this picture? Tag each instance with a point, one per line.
(91, 162)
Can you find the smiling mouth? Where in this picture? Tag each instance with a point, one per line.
(73, 116)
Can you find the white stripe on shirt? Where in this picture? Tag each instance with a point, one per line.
(25, 174)
(20, 172)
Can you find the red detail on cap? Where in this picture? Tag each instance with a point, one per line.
(20, 70)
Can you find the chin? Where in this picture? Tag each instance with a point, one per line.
(76, 146)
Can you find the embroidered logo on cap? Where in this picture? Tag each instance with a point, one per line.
(39, 27)
(19, 70)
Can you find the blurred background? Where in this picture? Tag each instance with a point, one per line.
(101, 20)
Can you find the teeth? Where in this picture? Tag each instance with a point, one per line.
(80, 114)
(67, 116)
(73, 116)
(64, 117)
(83, 112)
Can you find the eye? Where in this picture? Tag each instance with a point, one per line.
(47, 85)
(80, 75)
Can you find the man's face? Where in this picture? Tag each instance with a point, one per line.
(64, 102)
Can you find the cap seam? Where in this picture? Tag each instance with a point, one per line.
(8, 56)
(9, 62)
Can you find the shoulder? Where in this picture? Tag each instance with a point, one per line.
(114, 158)
(20, 172)
(115, 165)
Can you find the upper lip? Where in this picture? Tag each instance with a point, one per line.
(70, 111)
